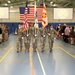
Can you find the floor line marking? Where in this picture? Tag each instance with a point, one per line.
(31, 62)
(6, 54)
(66, 51)
(44, 73)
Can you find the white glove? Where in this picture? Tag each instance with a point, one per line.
(35, 35)
(43, 35)
(54, 38)
(27, 34)
(49, 34)
(22, 37)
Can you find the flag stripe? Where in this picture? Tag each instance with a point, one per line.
(26, 12)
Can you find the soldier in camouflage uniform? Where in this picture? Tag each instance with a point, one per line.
(19, 38)
(34, 36)
(6, 33)
(27, 39)
(3, 32)
(51, 35)
(43, 37)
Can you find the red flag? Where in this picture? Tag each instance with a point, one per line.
(44, 17)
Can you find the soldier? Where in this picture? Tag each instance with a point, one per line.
(27, 39)
(51, 35)
(3, 32)
(34, 38)
(6, 33)
(19, 38)
(42, 38)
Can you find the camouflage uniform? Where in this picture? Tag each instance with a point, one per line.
(27, 40)
(42, 38)
(51, 35)
(19, 39)
(3, 32)
(34, 35)
(6, 33)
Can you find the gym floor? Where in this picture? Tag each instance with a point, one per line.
(60, 62)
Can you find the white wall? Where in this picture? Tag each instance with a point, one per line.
(15, 16)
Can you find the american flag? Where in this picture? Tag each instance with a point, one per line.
(31, 13)
(26, 11)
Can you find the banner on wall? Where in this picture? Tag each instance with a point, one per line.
(63, 13)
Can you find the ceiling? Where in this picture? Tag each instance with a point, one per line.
(49, 3)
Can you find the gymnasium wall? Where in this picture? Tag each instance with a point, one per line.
(15, 16)
(14, 19)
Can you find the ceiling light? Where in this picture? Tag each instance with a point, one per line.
(51, 2)
(5, 4)
(54, 5)
(11, 6)
(9, 2)
(23, 2)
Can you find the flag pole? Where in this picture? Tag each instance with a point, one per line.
(35, 10)
(35, 15)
